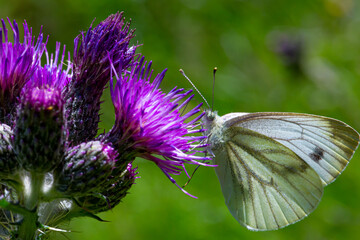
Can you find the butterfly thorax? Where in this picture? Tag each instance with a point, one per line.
(215, 127)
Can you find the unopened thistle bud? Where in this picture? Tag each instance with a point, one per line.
(87, 166)
(113, 191)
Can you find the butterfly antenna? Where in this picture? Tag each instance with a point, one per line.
(183, 73)
(213, 89)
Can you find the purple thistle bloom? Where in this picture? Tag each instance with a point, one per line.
(52, 74)
(92, 72)
(110, 37)
(18, 61)
(40, 128)
(42, 98)
(149, 122)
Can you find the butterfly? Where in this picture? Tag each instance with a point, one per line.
(273, 167)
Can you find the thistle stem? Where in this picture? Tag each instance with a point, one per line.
(28, 227)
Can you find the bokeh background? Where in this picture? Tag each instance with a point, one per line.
(295, 56)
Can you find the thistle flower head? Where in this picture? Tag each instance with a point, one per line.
(42, 98)
(151, 123)
(18, 62)
(92, 72)
(40, 131)
(52, 74)
(45, 87)
(39, 134)
(110, 37)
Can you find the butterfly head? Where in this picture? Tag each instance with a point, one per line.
(208, 119)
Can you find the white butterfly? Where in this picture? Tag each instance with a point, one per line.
(273, 167)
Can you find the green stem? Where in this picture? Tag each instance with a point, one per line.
(29, 226)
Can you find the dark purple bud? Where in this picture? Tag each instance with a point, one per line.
(86, 167)
(113, 191)
(93, 49)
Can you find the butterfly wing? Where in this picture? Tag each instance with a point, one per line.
(325, 144)
(266, 185)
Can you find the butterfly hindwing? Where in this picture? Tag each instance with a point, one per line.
(266, 186)
(326, 144)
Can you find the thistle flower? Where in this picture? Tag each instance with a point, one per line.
(40, 130)
(52, 74)
(92, 72)
(18, 62)
(149, 122)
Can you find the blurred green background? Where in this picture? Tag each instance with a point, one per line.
(295, 56)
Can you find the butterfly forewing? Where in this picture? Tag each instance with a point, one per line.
(266, 186)
(325, 144)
